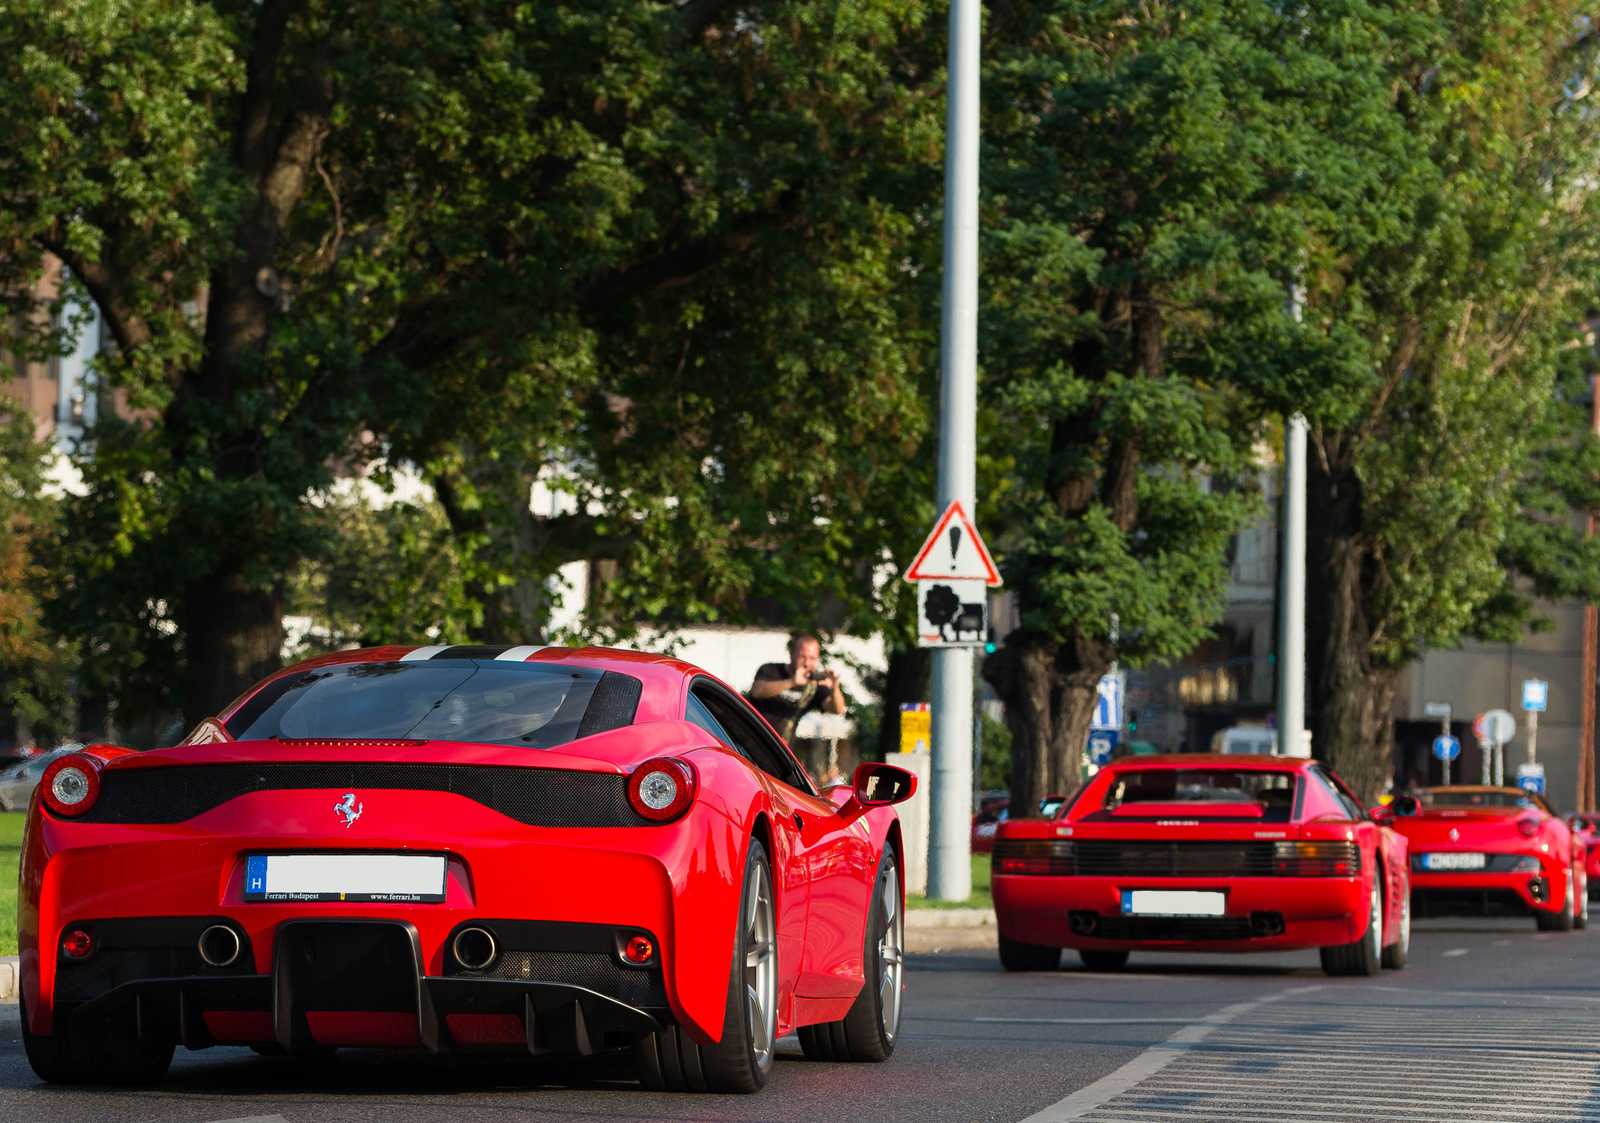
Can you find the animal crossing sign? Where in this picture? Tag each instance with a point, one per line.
(953, 572)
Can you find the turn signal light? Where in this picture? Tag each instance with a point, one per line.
(662, 789)
(1528, 827)
(76, 944)
(70, 785)
(639, 950)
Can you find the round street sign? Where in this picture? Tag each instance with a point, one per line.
(1497, 726)
(1446, 747)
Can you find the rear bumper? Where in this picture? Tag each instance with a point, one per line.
(349, 982)
(1262, 914)
(1486, 894)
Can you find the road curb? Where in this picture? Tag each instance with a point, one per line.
(8, 977)
(950, 918)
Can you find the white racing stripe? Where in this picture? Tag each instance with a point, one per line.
(519, 654)
(422, 653)
(1333, 1052)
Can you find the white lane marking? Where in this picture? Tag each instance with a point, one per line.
(1454, 952)
(1501, 944)
(518, 654)
(1152, 1061)
(422, 653)
(1089, 1021)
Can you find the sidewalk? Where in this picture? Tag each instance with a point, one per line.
(938, 929)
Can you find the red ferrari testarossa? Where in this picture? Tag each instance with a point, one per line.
(464, 849)
(1204, 852)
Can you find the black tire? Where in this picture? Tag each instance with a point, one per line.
(1395, 955)
(1018, 956)
(868, 1032)
(668, 1061)
(1557, 921)
(1363, 955)
(1103, 960)
(49, 1057)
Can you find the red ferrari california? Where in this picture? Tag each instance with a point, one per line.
(464, 849)
(1206, 853)
(1480, 851)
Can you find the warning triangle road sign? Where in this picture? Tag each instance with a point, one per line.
(954, 552)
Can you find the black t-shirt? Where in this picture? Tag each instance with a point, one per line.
(783, 708)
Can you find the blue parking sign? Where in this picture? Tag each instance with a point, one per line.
(1446, 747)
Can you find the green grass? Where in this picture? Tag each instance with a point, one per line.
(980, 899)
(10, 855)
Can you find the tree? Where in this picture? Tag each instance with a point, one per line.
(1438, 499)
(35, 666)
(1154, 178)
(635, 242)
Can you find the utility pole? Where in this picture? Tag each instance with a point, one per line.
(950, 795)
(1591, 641)
(1292, 613)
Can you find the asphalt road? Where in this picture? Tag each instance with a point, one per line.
(1491, 1021)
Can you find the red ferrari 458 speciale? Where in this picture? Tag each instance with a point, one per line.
(1483, 851)
(1202, 852)
(464, 849)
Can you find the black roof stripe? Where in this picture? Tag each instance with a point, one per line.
(472, 651)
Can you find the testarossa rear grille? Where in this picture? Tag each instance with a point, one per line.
(540, 797)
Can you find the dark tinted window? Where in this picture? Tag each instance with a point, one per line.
(748, 737)
(1273, 791)
(1342, 794)
(695, 712)
(487, 702)
(1469, 798)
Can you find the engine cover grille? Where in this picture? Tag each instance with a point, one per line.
(1107, 858)
(540, 797)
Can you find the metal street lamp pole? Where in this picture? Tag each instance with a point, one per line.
(1292, 642)
(950, 798)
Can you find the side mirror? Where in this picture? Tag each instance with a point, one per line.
(879, 785)
(1403, 805)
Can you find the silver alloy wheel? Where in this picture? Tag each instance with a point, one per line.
(891, 957)
(1572, 903)
(1375, 925)
(761, 969)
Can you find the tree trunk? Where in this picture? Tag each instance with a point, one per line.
(234, 638)
(1350, 697)
(908, 678)
(1050, 690)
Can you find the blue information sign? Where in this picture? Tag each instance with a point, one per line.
(1446, 747)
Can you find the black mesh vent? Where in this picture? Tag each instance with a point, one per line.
(1174, 928)
(1105, 858)
(615, 702)
(596, 971)
(540, 797)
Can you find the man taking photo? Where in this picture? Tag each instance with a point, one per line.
(785, 693)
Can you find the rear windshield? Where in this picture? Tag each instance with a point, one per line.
(487, 702)
(1273, 790)
(1478, 799)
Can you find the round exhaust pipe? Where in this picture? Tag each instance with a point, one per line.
(474, 948)
(220, 946)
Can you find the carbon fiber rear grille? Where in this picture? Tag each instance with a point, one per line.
(1118, 858)
(540, 797)
(1174, 928)
(596, 971)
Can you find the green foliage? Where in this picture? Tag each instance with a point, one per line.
(994, 771)
(35, 666)
(11, 824)
(392, 576)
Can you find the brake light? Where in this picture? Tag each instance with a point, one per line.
(662, 789)
(639, 950)
(1034, 857)
(70, 785)
(1528, 827)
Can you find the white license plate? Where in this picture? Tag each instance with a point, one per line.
(1172, 902)
(1454, 861)
(345, 877)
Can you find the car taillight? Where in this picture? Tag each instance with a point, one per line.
(1316, 859)
(1034, 857)
(70, 785)
(1528, 827)
(662, 789)
(77, 943)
